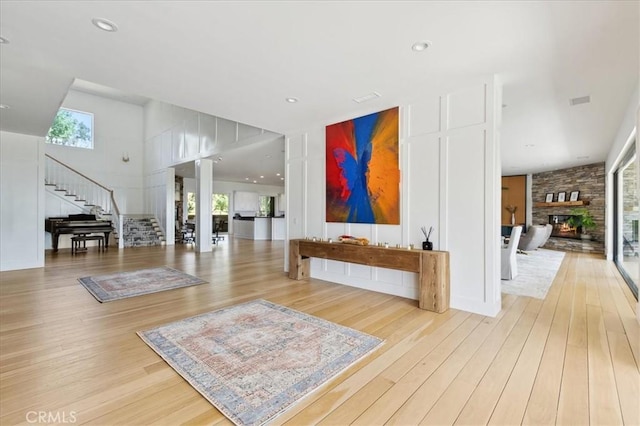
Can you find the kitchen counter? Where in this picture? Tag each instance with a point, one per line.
(252, 228)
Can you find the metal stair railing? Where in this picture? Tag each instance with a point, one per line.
(93, 193)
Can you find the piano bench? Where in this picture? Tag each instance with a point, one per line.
(76, 241)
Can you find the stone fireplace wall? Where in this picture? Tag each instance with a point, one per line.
(590, 181)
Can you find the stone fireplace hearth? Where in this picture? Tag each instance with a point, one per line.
(590, 181)
(562, 228)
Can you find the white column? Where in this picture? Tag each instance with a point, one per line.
(204, 188)
(170, 221)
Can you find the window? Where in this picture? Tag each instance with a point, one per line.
(266, 205)
(72, 128)
(191, 204)
(220, 204)
(626, 216)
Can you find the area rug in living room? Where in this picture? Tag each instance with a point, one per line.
(536, 271)
(255, 360)
(120, 285)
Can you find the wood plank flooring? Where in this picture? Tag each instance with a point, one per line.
(570, 359)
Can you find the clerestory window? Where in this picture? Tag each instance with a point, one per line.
(72, 128)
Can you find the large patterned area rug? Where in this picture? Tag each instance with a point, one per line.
(536, 271)
(253, 361)
(120, 285)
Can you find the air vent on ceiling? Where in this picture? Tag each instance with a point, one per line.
(581, 100)
(367, 97)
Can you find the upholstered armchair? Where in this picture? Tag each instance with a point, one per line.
(532, 239)
(535, 237)
(509, 265)
(549, 228)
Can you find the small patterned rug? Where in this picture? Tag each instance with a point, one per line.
(120, 285)
(536, 271)
(253, 361)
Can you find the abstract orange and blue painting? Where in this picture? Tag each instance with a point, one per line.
(363, 178)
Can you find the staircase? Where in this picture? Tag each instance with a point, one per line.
(92, 197)
(141, 231)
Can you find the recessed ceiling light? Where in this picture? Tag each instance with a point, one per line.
(4, 106)
(255, 181)
(246, 178)
(4, 40)
(291, 100)
(419, 46)
(261, 177)
(105, 24)
(281, 178)
(277, 174)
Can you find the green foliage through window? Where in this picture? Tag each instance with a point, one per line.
(72, 128)
(220, 204)
(191, 204)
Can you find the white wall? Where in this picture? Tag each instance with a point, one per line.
(21, 201)
(175, 135)
(450, 179)
(118, 129)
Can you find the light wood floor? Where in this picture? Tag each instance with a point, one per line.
(569, 359)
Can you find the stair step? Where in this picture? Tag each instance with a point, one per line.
(70, 195)
(60, 190)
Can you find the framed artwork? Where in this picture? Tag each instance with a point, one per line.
(549, 198)
(362, 169)
(574, 196)
(561, 197)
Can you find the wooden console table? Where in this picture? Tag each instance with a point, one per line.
(432, 267)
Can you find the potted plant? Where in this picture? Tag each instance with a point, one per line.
(582, 217)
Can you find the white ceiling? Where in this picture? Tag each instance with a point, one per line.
(240, 60)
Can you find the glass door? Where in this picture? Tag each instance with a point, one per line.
(626, 214)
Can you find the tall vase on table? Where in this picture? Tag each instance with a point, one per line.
(512, 209)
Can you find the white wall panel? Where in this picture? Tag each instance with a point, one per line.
(245, 131)
(179, 115)
(177, 142)
(424, 117)
(227, 131)
(207, 133)
(22, 201)
(166, 154)
(335, 267)
(467, 106)
(391, 234)
(191, 136)
(466, 213)
(423, 183)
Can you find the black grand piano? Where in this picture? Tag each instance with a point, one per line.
(77, 224)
